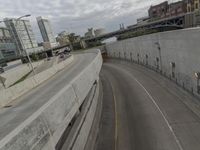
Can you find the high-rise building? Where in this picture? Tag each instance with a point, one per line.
(8, 49)
(46, 31)
(23, 35)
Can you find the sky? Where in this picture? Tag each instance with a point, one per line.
(78, 15)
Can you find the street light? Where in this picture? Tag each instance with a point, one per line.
(22, 44)
(28, 15)
(26, 53)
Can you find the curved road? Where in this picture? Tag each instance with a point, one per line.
(145, 111)
(26, 105)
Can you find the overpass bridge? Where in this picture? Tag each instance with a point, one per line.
(166, 24)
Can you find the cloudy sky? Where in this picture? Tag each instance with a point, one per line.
(78, 15)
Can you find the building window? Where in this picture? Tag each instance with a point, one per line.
(189, 9)
(196, 6)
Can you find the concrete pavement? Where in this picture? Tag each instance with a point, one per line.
(150, 112)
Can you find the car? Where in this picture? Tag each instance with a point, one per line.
(57, 53)
(67, 50)
(62, 56)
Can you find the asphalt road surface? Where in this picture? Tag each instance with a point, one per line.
(27, 104)
(145, 111)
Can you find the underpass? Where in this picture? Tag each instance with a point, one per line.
(144, 110)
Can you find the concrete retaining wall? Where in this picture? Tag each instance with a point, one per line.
(9, 94)
(81, 140)
(45, 127)
(181, 47)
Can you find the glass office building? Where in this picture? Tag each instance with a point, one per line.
(22, 33)
(46, 31)
(8, 50)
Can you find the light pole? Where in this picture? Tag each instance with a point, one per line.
(22, 44)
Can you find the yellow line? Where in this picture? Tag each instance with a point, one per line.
(116, 118)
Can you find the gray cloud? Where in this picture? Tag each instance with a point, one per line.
(78, 15)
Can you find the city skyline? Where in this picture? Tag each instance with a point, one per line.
(77, 16)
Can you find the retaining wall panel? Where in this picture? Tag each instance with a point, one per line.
(180, 46)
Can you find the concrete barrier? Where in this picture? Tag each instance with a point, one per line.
(45, 127)
(9, 94)
(18, 72)
(160, 50)
(81, 140)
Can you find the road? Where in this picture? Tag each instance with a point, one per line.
(27, 104)
(144, 111)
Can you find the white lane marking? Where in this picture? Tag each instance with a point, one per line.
(170, 127)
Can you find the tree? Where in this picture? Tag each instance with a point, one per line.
(35, 57)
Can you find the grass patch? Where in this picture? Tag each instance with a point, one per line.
(22, 79)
